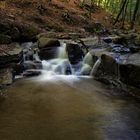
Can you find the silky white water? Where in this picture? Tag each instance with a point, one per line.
(61, 65)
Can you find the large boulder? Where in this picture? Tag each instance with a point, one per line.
(9, 54)
(108, 67)
(48, 47)
(130, 74)
(75, 53)
(130, 69)
(44, 42)
(124, 68)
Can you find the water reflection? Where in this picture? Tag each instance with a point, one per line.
(59, 107)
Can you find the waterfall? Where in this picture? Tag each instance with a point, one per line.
(85, 70)
(31, 61)
(95, 67)
(59, 65)
(61, 52)
(88, 59)
(36, 56)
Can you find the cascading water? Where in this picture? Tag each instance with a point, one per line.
(60, 64)
(61, 51)
(95, 67)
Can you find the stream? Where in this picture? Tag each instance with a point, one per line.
(65, 108)
(65, 103)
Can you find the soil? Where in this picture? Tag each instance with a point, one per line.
(57, 15)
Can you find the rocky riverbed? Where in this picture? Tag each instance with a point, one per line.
(117, 56)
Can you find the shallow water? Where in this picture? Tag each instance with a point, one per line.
(67, 108)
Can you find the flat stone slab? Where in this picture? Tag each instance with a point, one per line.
(130, 59)
(10, 54)
(12, 49)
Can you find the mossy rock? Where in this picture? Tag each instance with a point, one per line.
(5, 39)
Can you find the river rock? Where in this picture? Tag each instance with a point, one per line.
(117, 48)
(18, 68)
(6, 76)
(44, 42)
(75, 53)
(130, 69)
(48, 47)
(32, 65)
(107, 40)
(9, 54)
(125, 68)
(30, 73)
(108, 66)
(130, 74)
(91, 41)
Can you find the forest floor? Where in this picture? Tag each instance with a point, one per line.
(55, 16)
(25, 19)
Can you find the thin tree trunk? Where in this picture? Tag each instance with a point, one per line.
(121, 10)
(135, 14)
(124, 14)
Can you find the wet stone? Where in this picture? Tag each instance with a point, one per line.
(117, 48)
(6, 76)
(9, 54)
(75, 53)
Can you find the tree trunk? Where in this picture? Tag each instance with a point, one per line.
(135, 14)
(121, 10)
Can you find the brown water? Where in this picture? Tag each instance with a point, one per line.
(67, 108)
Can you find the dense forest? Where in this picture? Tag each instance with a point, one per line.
(122, 10)
(125, 10)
